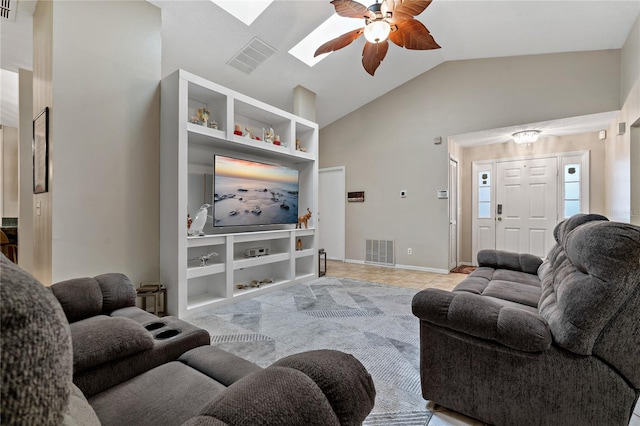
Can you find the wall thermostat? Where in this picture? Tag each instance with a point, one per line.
(443, 193)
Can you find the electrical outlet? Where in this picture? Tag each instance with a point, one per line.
(409, 251)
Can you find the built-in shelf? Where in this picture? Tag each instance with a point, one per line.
(186, 156)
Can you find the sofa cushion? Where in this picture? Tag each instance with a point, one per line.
(590, 280)
(80, 298)
(513, 291)
(499, 259)
(79, 412)
(117, 291)
(169, 394)
(100, 339)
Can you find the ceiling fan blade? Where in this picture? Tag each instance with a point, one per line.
(403, 10)
(339, 42)
(412, 34)
(351, 9)
(373, 54)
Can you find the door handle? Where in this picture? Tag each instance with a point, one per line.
(499, 219)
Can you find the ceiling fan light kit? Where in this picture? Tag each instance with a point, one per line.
(390, 20)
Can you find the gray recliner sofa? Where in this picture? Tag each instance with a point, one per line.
(43, 354)
(523, 341)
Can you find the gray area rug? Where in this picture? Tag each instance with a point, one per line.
(373, 322)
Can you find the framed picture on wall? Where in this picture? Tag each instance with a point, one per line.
(40, 148)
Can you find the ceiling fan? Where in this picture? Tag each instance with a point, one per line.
(392, 20)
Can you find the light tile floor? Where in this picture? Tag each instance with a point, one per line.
(419, 280)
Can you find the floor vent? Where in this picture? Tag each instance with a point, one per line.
(380, 251)
(251, 56)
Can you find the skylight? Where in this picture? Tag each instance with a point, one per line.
(246, 11)
(331, 28)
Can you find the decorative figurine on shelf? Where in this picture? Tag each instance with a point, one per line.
(205, 258)
(201, 219)
(304, 219)
(213, 125)
(189, 222)
(300, 147)
(203, 115)
(249, 132)
(237, 130)
(299, 244)
(268, 136)
(276, 140)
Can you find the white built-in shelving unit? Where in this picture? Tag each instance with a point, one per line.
(186, 173)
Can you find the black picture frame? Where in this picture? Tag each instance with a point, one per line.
(40, 150)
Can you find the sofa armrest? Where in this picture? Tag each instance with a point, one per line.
(481, 317)
(499, 259)
(323, 387)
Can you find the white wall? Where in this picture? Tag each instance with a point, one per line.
(106, 108)
(387, 145)
(620, 169)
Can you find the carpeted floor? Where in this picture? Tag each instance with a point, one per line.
(373, 322)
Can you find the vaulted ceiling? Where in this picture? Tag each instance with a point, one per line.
(202, 38)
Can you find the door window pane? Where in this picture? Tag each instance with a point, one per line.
(484, 195)
(484, 210)
(571, 190)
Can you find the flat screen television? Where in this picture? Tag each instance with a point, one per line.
(249, 193)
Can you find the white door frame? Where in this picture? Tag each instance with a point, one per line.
(338, 209)
(582, 157)
(454, 252)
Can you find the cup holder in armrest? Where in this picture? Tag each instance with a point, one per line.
(154, 326)
(167, 334)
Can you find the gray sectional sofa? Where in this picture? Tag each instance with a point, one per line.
(81, 353)
(523, 341)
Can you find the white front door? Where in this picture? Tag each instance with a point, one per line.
(331, 211)
(526, 205)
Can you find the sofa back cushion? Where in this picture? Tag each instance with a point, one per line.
(592, 273)
(86, 297)
(80, 298)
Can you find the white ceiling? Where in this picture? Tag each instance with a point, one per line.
(200, 37)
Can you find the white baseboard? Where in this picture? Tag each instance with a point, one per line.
(408, 267)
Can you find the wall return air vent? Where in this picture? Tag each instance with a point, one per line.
(380, 252)
(6, 10)
(251, 56)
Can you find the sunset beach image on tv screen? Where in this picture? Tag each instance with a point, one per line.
(253, 193)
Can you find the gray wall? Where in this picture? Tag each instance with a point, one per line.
(105, 104)
(387, 145)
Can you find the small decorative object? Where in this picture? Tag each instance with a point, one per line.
(205, 258)
(194, 120)
(304, 219)
(276, 140)
(237, 130)
(189, 222)
(299, 244)
(297, 144)
(213, 125)
(203, 115)
(249, 132)
(201, 219)
(269, 136)
(242, 286)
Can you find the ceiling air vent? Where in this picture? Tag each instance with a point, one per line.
(251, 56)
(5, 10)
